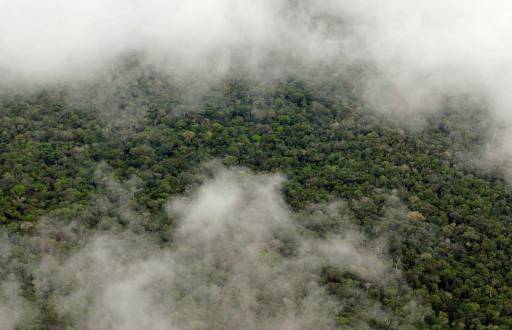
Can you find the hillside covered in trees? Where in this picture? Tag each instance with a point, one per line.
(73, 166)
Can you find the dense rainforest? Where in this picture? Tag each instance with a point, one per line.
(452, 246)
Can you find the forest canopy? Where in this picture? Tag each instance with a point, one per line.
(73, 172)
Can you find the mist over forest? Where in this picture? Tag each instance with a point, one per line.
(285, 164)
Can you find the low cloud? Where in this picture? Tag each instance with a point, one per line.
(410, 57)
(237, 259)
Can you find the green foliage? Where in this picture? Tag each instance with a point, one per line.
(454, 249)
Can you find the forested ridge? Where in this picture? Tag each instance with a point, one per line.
(453, 247)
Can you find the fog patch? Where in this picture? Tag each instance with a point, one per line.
(404, 58)
(237, 257)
